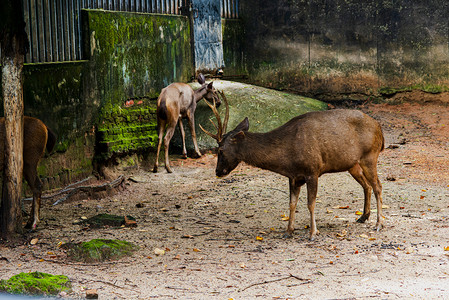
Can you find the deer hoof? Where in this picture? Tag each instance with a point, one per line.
(313, 235)
(169, 170)
(197, 155)
(379, 226)
(184, 156)
(363, 218)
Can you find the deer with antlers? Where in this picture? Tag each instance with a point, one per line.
(178, 101)
(303, 149)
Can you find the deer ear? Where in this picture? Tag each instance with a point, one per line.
(239, 136)
(201, 78)
(210, 86)
(243, 126)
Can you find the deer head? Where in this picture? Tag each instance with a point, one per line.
(210, 93)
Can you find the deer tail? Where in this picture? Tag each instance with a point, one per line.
(51, 140)
(162, 110)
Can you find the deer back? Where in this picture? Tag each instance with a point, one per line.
(174, 100)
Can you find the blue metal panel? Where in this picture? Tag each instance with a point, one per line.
(208, 45)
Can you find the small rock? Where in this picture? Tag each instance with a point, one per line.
(91, 294)
(409, 250)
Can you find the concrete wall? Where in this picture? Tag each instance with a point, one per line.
(347, 48)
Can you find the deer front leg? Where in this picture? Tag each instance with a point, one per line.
(191, 120)
(294, 196)
(312, 189)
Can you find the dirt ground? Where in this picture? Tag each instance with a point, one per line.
(223, 237)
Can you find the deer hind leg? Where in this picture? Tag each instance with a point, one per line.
(369, 167)
(312, 189)
(295, 188)
(191, 120)
(183, 136)
(35, 183)
(357, 174)
(161, 127)
(168, 135)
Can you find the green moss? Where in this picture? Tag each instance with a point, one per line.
(36, 283)
(428, 88)
(124, 129)
(98, 250)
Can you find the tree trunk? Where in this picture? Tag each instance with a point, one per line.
(11, 216)
(14, 45)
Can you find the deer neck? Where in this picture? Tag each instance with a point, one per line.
(263, 150)
(199, 93)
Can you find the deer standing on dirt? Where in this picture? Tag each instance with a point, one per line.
(303, 149)
(36, 138)
(177, 101)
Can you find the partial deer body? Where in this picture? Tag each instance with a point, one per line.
(36, 138)
(305, 148)
(177, 101)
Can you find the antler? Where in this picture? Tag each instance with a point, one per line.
(221, 127)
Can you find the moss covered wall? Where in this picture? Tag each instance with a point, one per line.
(346, 48)
(135, 55)
(131, 58)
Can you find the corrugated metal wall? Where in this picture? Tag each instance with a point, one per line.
(54, 26)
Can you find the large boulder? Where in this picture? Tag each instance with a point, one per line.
(266, 109)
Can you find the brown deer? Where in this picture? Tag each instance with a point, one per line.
(303, 149)
(36, 138)
(177, 101)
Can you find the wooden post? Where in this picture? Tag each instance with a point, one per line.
(14, 45)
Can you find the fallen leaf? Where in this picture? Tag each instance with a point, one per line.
(83, 218)
(259, 238)
(385, 206)
(196, 250)
(343, 233)
(343, 207)
(358, 213)
(242, 265)
(177, 257)
(328, 211)
(284, 217)
(363, 236)
(446, 248)
(187, 236)
(34, 241)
